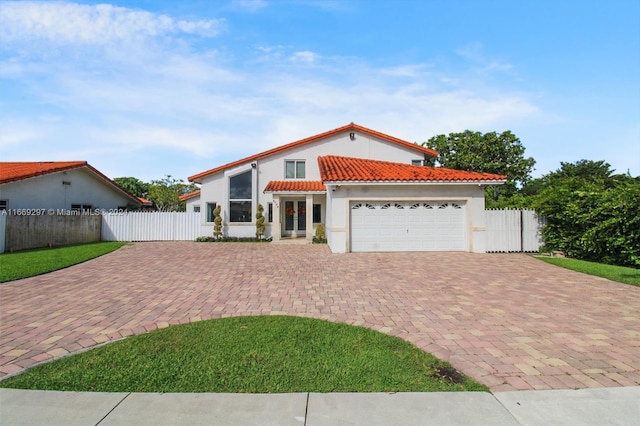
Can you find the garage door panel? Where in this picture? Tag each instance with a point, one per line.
(408, 226)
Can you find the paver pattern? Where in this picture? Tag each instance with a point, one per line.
(508, 320)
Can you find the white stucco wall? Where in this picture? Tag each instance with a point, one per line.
(215, 188)
(191, 203)
(49, 192)
(338, 202)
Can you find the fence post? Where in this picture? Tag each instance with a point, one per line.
(521, 231)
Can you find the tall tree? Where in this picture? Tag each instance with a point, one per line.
(165, 193)
(133, 185)
(500, 153)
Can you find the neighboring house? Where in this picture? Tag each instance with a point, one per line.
(370, 190)
(61, 185)
(192, 201)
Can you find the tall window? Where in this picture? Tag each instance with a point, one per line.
(210, 208)
(240, 197)
(294, 169)
(4, 204)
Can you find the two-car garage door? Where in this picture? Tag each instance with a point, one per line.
(408, 226)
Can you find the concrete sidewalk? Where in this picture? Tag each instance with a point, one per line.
(602, 406)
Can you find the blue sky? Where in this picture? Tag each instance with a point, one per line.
(150, 88)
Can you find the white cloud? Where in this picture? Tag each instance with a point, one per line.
(72, 23)
(249, 5)
(176, 108)
(305, 56)
(412, 70)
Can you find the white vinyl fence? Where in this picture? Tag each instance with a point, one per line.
(153, 226)
(513, 230)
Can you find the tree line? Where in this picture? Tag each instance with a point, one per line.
(591, 212)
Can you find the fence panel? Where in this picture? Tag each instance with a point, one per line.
(27, 232)
(513, 230)
(152, 226)
(3, 230)
(531, 226)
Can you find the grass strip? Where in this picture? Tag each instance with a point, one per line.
(28, 263)
(620, 274)
(261, 354)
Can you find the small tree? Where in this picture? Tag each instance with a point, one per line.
(217, 223)
(260, 227)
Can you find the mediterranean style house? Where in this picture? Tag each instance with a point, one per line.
(370, 190)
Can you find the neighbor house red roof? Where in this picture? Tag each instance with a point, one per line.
(295, 186)
(348, 127)
(20, 170)
(348, 169)
(185, 197)
(13, 171)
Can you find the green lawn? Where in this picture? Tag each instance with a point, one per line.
(610, 272)
(262, 354)
(28, 263)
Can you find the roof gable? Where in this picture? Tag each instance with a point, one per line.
(21, 170)
(347, 128)
(347, 169)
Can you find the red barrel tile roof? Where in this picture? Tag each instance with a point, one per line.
(189, 195)
(347, 169)
(295, 186)
(13, 171)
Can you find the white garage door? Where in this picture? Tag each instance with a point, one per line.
(408, 226)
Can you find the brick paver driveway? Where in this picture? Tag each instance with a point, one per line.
(509, 321)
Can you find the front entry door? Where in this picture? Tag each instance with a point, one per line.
(295, 218)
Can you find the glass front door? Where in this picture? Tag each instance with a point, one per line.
(295, 218)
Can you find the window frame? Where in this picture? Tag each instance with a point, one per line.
(296, 164)
(241, 201)
(317, 213)
(79, 207)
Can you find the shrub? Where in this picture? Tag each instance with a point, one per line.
(593, 221)
(217, 223)
(320, 237)
(260, 227)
